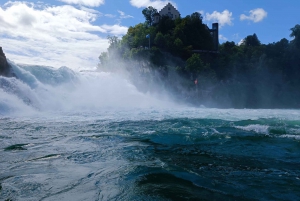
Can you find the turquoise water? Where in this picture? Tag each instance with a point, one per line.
(91, 157)
(93, 136)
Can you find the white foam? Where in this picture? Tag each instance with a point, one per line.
(65, 93)
(295, 131)
(263, 129)
(296, 137)
(13, 105)
(46, 89)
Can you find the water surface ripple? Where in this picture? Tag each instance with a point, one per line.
(162, 158)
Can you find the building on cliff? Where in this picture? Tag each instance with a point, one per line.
(170, 11)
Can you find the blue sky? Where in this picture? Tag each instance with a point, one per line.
(73, 32)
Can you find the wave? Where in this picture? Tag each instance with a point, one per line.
(264, 129)
(295, 137)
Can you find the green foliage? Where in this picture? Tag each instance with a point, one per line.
(194, 64)
(139, 54)
(193, 32)
(178, 37)
(113, 41)
(103, 58)
(165, 25)
(149, 14)
(157, 57)
(159, 40)
(178, 45)
(247, 75)
(296, 34)
(264, 75)
(251, 41)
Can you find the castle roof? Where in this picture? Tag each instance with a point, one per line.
(169, 5)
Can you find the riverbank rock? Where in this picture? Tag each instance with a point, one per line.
(5, 68)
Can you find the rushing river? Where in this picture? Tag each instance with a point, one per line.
(88, 136)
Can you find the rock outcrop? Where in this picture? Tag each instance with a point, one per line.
(5, 68)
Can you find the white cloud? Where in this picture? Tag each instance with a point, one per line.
(110, 15)
(90, 10)
(158, 4)
(221, 37)
(256, 15)
(53, 35)
(222, 18)
(201, 12)
(90, 3)
(123, 15)
(115, 29)
(241, 42)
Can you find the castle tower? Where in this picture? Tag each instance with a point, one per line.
(215, 35)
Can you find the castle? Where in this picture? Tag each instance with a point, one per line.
(170, 11)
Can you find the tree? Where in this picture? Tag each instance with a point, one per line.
(191, 31)
(251, 40)
(103, 58)
(113, 41)
(178, 46)
(296, 34)
(227, 46)
(194, 64)
(197, 17)
(159, 40)
(149, 14)
(165, 25)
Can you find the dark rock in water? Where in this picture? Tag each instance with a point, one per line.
(15, 147)
(5, 68)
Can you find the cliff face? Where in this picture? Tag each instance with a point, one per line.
(5, 69)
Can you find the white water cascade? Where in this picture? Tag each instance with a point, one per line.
(46, 89)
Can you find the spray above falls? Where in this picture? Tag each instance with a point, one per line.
(46, 89)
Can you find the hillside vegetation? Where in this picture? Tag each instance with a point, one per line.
(249, 75)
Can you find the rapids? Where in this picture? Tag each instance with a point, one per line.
(68, 135)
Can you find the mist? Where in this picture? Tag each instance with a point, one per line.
(40, 89)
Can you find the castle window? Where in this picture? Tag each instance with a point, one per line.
(169, 8)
